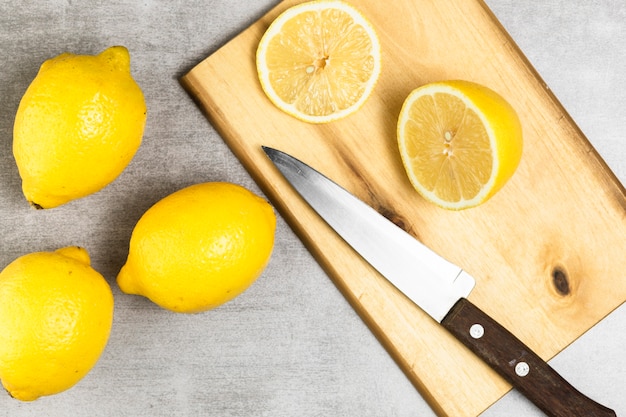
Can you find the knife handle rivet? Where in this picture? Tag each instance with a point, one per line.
(477, 331)
(522, 369)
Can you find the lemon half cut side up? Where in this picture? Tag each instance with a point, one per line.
(460, 142)
(319, 61)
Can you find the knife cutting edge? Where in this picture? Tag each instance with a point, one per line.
(438, 287)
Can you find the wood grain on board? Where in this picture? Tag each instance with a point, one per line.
(547, 250)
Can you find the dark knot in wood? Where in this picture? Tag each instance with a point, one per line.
(394, 218)
(560, 281)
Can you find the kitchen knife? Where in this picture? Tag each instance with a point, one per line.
(438, 287)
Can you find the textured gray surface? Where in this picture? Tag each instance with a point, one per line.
(291, 345)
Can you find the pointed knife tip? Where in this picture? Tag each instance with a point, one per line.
(267, 149)
(271, 152)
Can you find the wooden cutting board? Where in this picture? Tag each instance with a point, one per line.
(547, 250)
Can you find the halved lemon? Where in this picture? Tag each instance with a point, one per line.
(460, 142)
(319, 61)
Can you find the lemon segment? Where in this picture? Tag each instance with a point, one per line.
(78, 125)
(460, 142)
(319, 61)
(56, 314)
(199, 247)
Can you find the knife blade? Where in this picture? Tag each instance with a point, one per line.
(438, 287)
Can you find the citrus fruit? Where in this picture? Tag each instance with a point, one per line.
(78, 126)
(55, 318)
(460, 142)
(319, 61)
(199, 247)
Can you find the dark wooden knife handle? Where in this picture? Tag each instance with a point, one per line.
(519, 365)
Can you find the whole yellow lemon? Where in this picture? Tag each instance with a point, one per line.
(56, 314)
(78, 125)
(199, 247)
